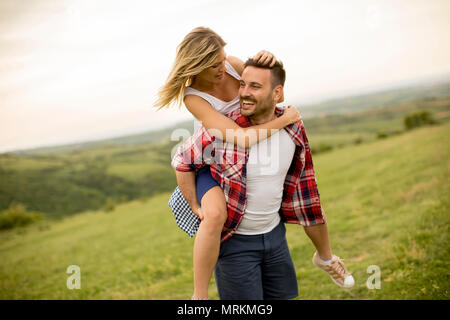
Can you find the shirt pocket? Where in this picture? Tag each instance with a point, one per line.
(230, 161)
(231, 171)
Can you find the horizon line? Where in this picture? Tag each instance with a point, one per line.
(435, 79)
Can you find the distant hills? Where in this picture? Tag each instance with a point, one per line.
(346, 105)
(64, 180)
(153, 136)
(377, 99)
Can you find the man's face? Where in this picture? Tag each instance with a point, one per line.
(255, 91)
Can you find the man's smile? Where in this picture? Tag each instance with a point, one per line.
(247, 102)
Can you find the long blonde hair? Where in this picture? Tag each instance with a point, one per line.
(198, 50)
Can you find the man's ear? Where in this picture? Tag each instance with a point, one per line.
(278, 94)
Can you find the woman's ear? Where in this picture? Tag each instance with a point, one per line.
(278, 94)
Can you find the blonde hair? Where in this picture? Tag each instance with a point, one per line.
(198, 51)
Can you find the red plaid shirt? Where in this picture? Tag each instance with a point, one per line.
(300, 203)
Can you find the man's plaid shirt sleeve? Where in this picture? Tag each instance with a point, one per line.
(302, 202)
(196, 152)
(312, 208)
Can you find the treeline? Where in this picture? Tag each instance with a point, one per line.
(410, 121)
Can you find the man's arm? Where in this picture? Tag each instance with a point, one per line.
(186, 183)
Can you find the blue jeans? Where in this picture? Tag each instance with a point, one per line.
(257, 267)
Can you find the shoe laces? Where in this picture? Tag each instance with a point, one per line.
(338, 268)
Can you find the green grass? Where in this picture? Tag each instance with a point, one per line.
(134, 171)
(122, 255)
(386, 202)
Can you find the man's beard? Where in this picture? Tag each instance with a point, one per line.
(260, 107)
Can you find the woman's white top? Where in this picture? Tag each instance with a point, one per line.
(221, 106)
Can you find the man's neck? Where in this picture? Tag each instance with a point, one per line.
(263, 118)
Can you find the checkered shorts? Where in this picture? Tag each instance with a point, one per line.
(185, 218)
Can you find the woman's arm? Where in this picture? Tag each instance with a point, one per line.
(227, 130)
(186, 183)
(237, 64)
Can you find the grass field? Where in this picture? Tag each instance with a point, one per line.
(387, 204)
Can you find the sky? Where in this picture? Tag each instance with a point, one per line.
(77, 70)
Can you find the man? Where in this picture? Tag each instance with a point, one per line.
(263, 190)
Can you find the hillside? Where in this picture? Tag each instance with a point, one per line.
(63, 183)
(386, 202)
(379, 99)
(70, 182)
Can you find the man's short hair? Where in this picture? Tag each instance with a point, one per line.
(277, 72)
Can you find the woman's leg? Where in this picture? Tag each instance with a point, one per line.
(207, 241)
(320, 238)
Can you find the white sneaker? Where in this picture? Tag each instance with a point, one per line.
(336, 269)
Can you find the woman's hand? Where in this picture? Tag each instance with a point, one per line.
(198, 213)
(265, 58)
(292, 115)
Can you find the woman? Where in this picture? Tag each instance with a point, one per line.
(208, 83)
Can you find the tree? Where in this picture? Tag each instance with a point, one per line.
(418, 119)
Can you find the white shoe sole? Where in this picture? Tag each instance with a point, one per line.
(337, 283)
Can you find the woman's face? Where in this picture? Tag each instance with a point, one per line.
(217, 71)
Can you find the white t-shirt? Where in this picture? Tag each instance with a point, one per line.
(267, 166)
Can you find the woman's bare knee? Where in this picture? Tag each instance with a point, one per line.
(214, 207)
(215, 215)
